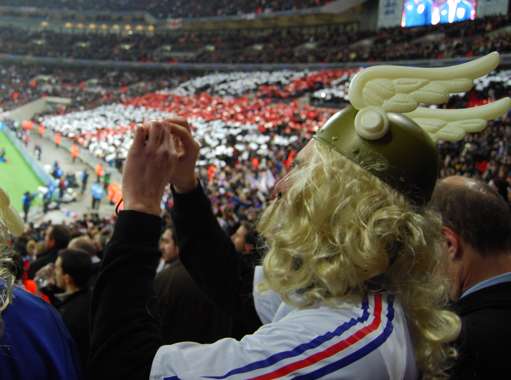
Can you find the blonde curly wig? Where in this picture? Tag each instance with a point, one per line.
(339, 232)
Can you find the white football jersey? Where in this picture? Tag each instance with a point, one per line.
(365, 341)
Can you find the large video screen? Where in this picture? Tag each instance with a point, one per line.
(433, 12)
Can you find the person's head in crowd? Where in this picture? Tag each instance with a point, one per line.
(503, 172)
(40, 248)
(477, 231)
(56, 237)
(83, 243)
(168, 248)
(73, 270)
(244, 239)
(31, 249)
(102, 237)
(336, 231)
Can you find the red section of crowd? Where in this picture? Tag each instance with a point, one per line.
(260, 112)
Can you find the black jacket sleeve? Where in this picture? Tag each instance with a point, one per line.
(205, 249)
(124, 334)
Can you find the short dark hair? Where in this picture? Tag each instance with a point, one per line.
(61, 235)
(78, 265)
(477, 213)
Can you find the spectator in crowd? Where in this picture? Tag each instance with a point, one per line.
(168, 249)
(85, 179)
(73, 270)
(244, 239)
(57, 139)
(176, 9)
(86, 244)
(27, 204)
(75, 152)
(62, 189)
(410, 272)
(55, 238)
(501, 183)
(477, 230)
(56, 170)
(182, 306)
(99, 171)
(107, 178)
(97, 195)
(38, 152)
(34, 342)
(47, 198)
(31, 249)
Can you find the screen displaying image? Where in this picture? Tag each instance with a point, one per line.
(432, 12)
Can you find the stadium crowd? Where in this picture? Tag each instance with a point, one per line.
(174, 9)
(251, 128)
(86, 87)
(328, 44)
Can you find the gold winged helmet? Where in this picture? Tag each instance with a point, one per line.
(385, 122)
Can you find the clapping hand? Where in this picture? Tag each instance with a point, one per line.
(161, 153)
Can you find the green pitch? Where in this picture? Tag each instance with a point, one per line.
(16, 176)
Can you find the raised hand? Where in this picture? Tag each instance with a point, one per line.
(150, 163)
(183, 174)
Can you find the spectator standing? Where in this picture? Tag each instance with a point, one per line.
(99, 171)
(75, 152)
(41, 129)
(477, 230)
(85, 179)
(302, 319)
(97, 195)
(107, 178)
(57, 139)
(27, 204)
(38, 151)
(73, 270)
(186, 313)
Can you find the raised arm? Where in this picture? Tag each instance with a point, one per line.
(205, 249)
(124, 334)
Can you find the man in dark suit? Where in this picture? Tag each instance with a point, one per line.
(185, 312)
(56, 238)
(477, 229)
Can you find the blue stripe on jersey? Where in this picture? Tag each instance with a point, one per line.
(316, 342)
(171, 378)
(360, 353)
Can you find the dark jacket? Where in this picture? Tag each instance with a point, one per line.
(486, 331)
(125, 334)
(186, 313)
(75, 313)
(209, 255)
(42, 260)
